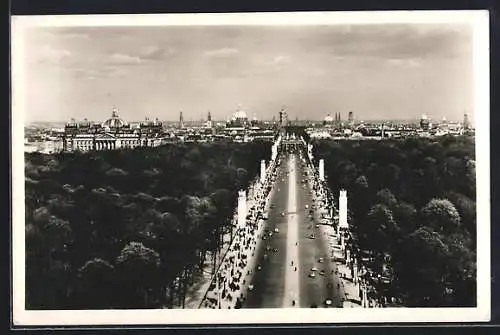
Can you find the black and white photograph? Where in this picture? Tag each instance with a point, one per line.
(241, 168)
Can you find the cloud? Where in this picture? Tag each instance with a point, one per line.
(123, 59)
(282, 60)
(223, 52)
(408, 62)
(155, 52)
(48, 54)
(279, 60)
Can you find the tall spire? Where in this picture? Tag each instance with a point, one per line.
(181, 120)
(466, 123)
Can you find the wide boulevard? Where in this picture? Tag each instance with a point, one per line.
(293, 266)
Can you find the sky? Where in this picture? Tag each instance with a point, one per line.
(384, 71)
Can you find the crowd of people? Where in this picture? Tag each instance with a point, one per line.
(235, 271)
(322, 196)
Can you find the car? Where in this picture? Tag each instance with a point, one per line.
(322, 272)
(328, 302)
(264, 237)
(312, 237)
(276, 230)
(314, 269)
(312, 275)
(282, 214)
(307, 206)
(250, 287)
(320, 260)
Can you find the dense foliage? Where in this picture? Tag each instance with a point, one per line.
(129, 228)
(413, 213)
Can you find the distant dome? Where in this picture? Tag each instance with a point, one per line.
(240, 114)
(424, 117)
(328, 118)
(114, 121)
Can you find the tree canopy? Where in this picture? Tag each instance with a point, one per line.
(413, 200)
(122, 214)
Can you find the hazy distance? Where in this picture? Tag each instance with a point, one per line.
(376, 71)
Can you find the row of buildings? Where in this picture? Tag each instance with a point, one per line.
(333, 127)
(115, 132)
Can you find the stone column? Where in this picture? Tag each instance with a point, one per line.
(321, 169)
(242, 208)
(343, 209)
(355, 268)
(262, 171)
(274, 151)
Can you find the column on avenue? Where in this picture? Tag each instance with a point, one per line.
(321, 170)
(235, 272)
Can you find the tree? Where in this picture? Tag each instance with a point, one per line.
(441, 215)
(385, 196)
(95, 285)
(137, 268)
(381, 232)
(467, 210)
(48, 267)
(423, 274)
(405, 215)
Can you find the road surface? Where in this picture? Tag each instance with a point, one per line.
(286, 257)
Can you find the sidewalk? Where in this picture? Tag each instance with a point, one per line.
(352, 298)
(197, 291)
(238, 263)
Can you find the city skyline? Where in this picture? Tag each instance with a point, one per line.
(156, 72)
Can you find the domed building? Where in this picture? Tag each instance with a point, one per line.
(114, 121)
(239, 119)
(114, 133)
(329, 120)
(424, 122)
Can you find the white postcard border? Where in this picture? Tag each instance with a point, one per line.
(480, 23)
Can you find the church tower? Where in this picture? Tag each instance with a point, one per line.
(209, 120)
(181, 120)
